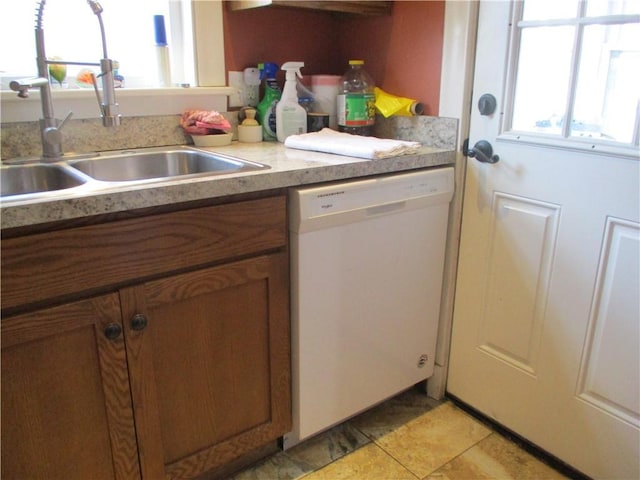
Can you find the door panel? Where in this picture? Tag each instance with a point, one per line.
(611, 341)
(521, 247)
(546, 335)
(215, 361)
(211, 366)
(66, 404)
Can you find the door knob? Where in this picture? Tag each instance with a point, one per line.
(481, 151)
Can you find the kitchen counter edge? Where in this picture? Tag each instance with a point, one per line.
(288, 168)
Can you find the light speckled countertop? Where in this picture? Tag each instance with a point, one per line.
(289, 168)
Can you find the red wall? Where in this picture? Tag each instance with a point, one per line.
(402, 51)
(278, 35)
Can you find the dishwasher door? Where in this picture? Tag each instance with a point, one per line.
(366, 272)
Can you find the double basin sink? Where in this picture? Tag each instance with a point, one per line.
(38, 179)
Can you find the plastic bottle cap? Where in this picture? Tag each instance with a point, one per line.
(268, 70)
(356, 62)
(161, 33)
(417, 108)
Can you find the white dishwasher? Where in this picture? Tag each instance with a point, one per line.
(367, 262)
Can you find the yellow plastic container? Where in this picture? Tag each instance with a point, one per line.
(389, 105)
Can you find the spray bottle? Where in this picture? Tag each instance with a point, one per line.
(267, 106)
(291, 118)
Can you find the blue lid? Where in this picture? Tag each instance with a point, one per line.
(161, 33)
(268, 70)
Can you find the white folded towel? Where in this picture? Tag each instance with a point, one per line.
(330, 141)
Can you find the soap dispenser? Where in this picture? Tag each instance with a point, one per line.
(291, 118)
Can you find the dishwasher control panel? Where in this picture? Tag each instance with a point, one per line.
(407, 190)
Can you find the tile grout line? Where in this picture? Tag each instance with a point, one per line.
(341, 457)
(373, 440)
(439, 466)
(491, 431)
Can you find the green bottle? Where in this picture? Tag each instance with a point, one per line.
(267, 106)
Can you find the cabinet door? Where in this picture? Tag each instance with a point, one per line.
(210, 371)
(357, 7)
(66, 403)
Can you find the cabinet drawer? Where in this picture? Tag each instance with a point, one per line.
(45, 266)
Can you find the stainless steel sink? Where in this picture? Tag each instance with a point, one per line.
(37, 178)
(28, 179)
(161, 164)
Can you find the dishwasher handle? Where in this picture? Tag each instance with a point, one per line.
(385, 209)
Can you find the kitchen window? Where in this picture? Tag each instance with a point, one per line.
(585, 85)
(129, 34)
(194, 30)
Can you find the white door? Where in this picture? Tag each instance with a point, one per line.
(546, 335)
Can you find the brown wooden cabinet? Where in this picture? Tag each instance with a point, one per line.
(66, 404)
(191, 341)
(210, 371)
(354, 7)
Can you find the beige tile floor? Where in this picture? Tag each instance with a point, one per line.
(408, 437)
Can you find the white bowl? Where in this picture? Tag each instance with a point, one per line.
(217, 140)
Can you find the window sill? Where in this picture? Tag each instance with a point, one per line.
(134, 102)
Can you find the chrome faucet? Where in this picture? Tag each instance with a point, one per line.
(50, 128)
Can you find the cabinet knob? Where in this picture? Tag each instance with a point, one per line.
(138, 322)
(112, 331)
